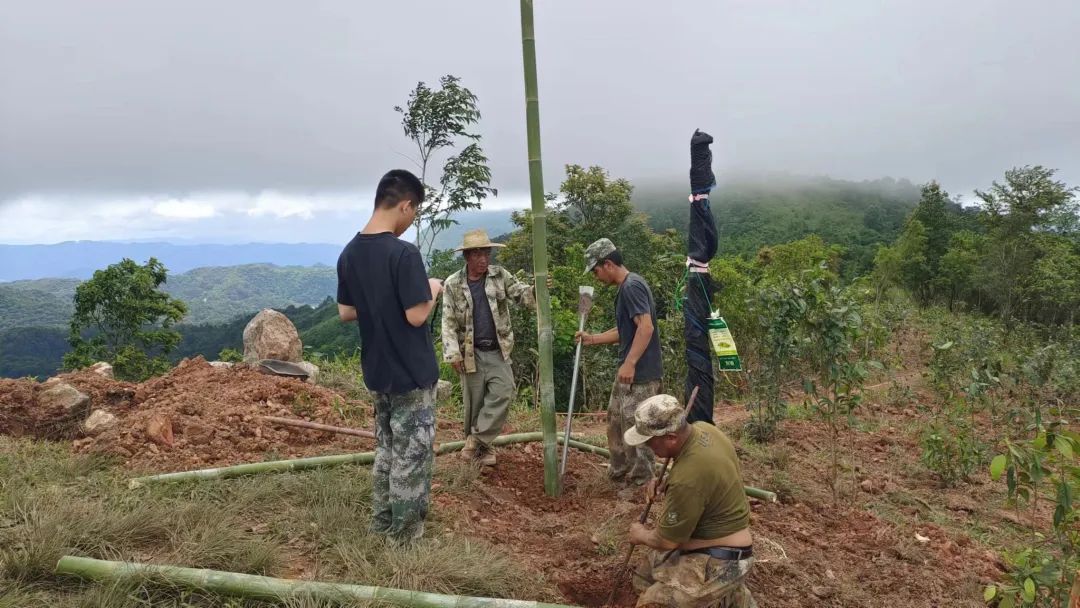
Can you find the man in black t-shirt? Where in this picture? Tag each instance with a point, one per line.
(640, 369)
(382, 285)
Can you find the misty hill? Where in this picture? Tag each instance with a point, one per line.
(753, 212)
(79, 259)
(216, 295)
(213, 295)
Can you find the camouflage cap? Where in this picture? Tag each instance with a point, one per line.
(597, 251)
(658, 415)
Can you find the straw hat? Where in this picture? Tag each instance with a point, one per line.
(477, 239)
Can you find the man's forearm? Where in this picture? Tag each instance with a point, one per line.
(641, 341)
(610, 336)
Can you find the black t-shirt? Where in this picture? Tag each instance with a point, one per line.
(635, 298)
(382, 276)
(483, 321)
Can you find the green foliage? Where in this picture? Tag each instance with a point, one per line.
(436, 120)
(220, 294)
(123, 318)
(230, 355)
(755, 213)
(45, 303)
(831, 324)
(951, 450)
(777, 310)
(1035, 469)
(1019, 261)
(32, 351)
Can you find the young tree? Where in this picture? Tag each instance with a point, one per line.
(436, 120)
(123, 318)
(1030, 203)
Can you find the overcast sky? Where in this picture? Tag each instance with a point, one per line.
(268, 120)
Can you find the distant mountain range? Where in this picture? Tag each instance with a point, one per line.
(79, 259)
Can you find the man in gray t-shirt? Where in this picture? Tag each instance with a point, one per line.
(640, 369)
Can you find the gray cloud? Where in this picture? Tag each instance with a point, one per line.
(145, 97)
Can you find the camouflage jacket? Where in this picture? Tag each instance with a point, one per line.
(457, 313)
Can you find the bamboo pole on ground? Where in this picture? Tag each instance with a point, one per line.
(303, 464)
(276, 589)
(318, 426)
(540, 256)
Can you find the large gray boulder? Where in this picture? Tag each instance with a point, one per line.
(61, 396)
(271, 335)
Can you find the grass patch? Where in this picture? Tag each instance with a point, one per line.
(54, 503)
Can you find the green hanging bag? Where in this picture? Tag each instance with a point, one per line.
(727, 356)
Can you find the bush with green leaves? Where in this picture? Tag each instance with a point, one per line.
(830, 328)
(1044, 468)
(952, 450)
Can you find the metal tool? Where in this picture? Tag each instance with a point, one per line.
(585, 298)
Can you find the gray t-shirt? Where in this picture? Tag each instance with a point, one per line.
(635, 298)
(483, 321)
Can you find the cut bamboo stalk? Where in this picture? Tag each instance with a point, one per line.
(303, 464)
(318, 426)
(275, 589)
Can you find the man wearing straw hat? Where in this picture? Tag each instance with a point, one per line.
(478, 340)
(702, 546)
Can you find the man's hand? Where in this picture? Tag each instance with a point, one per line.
(625, 374)
(638, 533)
(459, 366)
(584, 338)
(651, 491)
(436, 287)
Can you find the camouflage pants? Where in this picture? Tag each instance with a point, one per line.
(488, 392)
(404, 456)
(693, 580)
(634, 464)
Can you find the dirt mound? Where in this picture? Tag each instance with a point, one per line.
(52, 410)
(198, 415)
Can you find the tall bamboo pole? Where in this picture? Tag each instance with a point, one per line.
(540, 257)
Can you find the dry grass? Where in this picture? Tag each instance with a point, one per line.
(53, 503)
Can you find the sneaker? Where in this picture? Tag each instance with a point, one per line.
(488, 459)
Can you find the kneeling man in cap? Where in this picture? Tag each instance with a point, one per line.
(702, 547)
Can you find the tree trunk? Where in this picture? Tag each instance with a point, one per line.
(540, 256)
(276, 589)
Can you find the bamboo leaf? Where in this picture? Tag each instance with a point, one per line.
(1029, 590)
(989, 593)
(1065, 447)
(997, 467)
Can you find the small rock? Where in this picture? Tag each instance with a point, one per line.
(443, 391)
(62, 395)
(222, 364)
(153, 449)
(122, 452)
(822, 592)
(198, 433)
(311, 369)
(159, 430)
(102, 368)
(921, 538)
(98, 421)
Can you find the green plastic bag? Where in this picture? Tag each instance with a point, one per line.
(727, 356)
